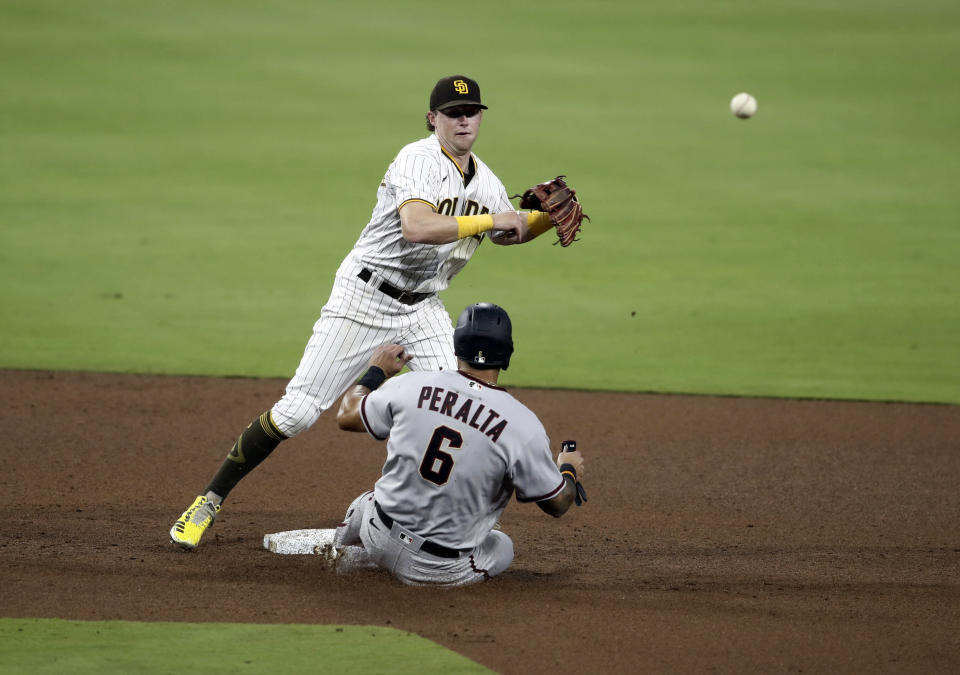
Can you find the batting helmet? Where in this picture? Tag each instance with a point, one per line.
(484, 336)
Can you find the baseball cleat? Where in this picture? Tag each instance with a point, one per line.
(188, 529)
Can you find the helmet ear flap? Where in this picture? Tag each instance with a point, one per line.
(506, 357)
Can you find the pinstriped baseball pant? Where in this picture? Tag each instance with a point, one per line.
(357, 319)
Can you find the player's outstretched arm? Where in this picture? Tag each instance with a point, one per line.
(386, 361)
(558, 505)
(419, 223)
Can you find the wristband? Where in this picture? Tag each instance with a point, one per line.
(467, 226)
(538, 222)
(373, 378)
(580, 496)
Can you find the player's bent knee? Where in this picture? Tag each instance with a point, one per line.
(506, 545)
(498, 548)
(293, 418)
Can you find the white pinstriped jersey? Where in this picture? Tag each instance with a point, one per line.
(424, 171)
(358, 317)
(458, 448)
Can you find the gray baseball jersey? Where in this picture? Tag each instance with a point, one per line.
(358, 317)
(457, 450)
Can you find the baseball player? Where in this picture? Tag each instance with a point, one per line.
(458, 447)
(435, 205)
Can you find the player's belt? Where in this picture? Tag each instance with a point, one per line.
(405, 297)
(428, 546)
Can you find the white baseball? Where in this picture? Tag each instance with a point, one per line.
(743, 105)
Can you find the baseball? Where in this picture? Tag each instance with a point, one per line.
(743, 105)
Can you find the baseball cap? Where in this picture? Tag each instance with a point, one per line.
(455, 90)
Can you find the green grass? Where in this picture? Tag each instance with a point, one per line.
(179, 181)
(40, 646)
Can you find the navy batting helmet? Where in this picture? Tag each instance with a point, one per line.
(484, 336)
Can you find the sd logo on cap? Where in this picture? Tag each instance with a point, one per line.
(455, 90)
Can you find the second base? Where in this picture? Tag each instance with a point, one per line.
(298, 542)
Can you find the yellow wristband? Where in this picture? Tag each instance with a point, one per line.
(539, 222)
(467, 226)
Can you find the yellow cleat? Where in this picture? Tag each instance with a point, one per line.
(188, 529)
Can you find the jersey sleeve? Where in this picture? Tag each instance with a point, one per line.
(534, 474)
(415, 176)
(376, 411)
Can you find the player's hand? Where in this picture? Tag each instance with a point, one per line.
(575, 459)
(510, 227)
(390, 359)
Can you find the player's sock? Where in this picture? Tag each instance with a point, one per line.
(258, 440)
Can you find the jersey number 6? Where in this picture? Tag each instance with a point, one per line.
(437, 464)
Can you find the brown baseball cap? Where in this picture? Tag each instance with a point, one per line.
(455, 90)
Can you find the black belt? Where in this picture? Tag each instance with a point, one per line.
(428, 546)
(406, 297)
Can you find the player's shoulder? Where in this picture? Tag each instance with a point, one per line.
(497, 395)
(428, 147)
(521, 411)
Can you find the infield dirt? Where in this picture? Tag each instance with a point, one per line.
(721, 534)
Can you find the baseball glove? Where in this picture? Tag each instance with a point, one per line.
(560, 202)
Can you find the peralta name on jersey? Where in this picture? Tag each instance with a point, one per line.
(448, 403)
